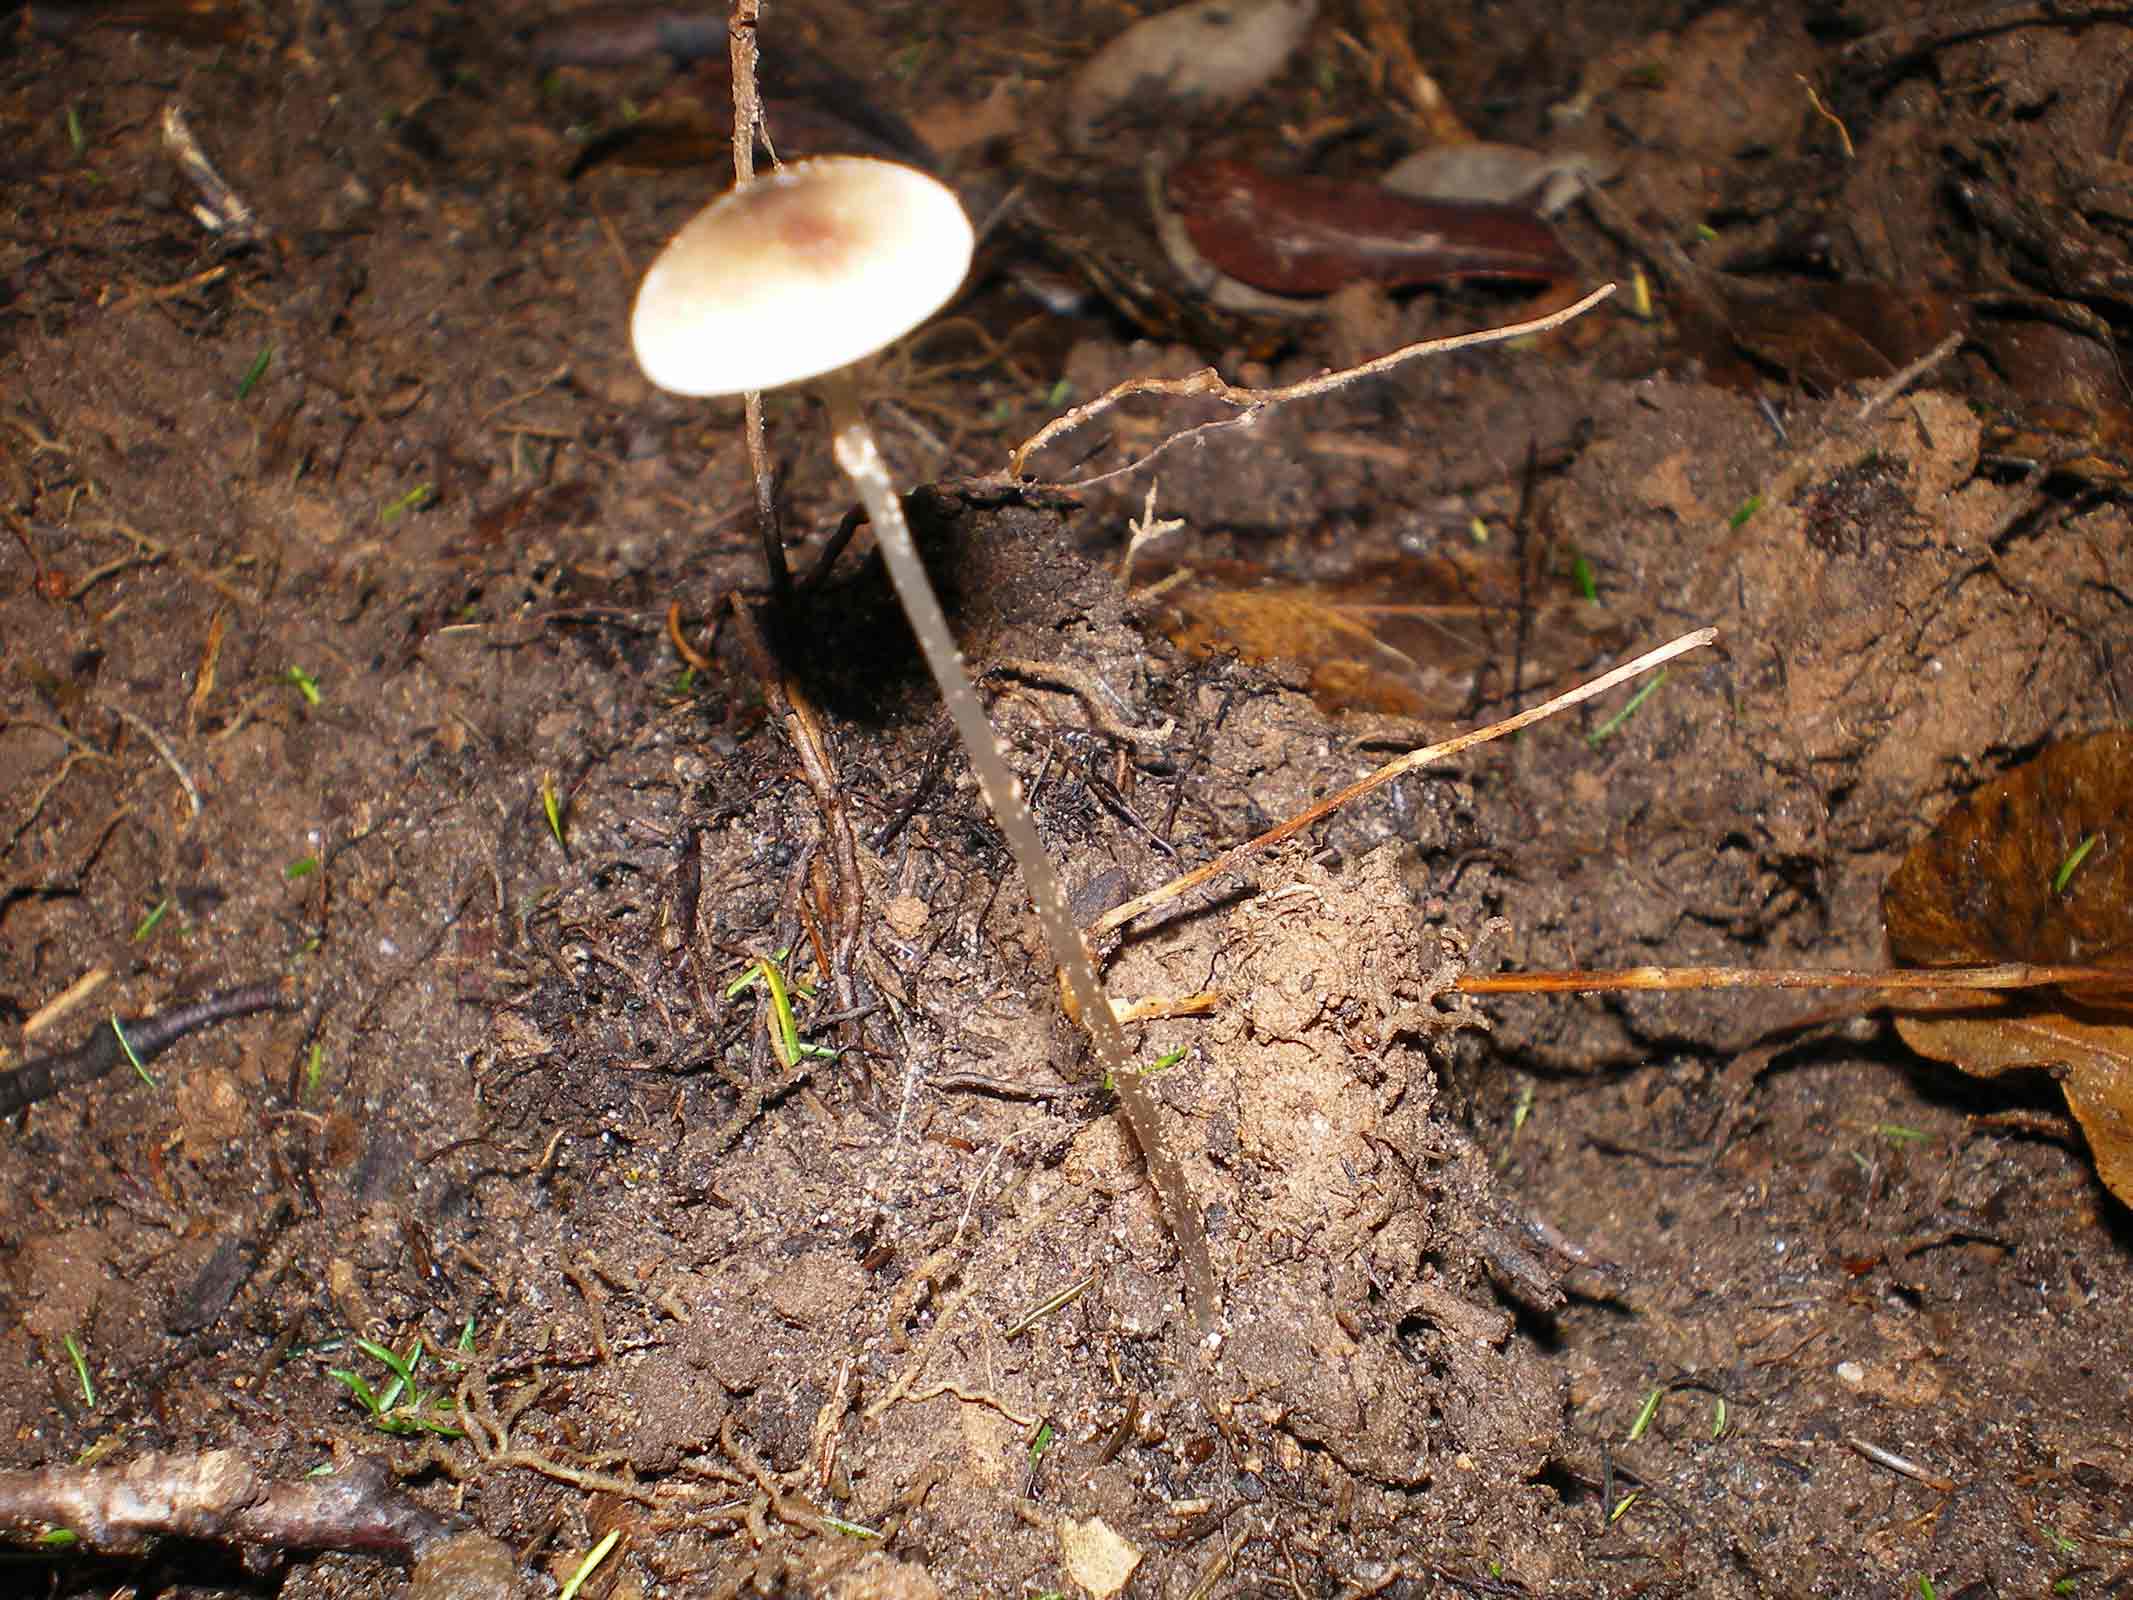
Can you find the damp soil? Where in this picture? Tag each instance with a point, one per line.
(335, 607)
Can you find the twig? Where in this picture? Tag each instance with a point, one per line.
(804, 730)
(1252, 402)
(161, 747)
(217, 1497)
(488, 1432)
(1007, 1088)
(1889, 388)
(1010, 1247)
(1086, 687)
(1900, 1464)
(65, 1001)
(975, 1397)
(156, 550)
(45, 792)
(692, 657)
(581, 1279)
(2014, 975)
(741, 20)
(1230, 860)
(149, 1037)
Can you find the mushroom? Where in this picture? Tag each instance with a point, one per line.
(793, 279)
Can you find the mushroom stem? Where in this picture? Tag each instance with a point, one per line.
(860, 457)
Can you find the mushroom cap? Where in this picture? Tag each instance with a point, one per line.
(806, 270)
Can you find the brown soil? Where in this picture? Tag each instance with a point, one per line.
(715, 1298)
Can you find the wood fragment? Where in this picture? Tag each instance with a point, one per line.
(220, 1498)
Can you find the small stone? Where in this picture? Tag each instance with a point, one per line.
(1096, 1558)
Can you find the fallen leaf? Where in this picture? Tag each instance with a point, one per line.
(1312, 235)
(1408, 638)
(2033, 868)
(1980, 887)
(1830, 334)
(2093, 1060)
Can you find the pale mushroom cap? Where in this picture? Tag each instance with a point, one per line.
(807, 270)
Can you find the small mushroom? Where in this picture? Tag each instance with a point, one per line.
(792, 280)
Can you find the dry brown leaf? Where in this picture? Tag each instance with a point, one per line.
(1350, 668)
(1981, 887)
(1827, 335)
(2092, 1058)
(1406, 638)
(1992, 883)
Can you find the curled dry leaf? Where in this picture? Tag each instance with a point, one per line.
(2037, 867)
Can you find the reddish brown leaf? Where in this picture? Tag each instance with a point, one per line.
(1309, 235)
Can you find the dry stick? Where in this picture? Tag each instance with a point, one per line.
(1252, 402)
(1415, 86)
(216, 1496)
(2012, 975)
(1901, 379)
(161, 746)
(55, 1009)
(747, 117)
(1230, 860)
(804, 731)
(222, 209)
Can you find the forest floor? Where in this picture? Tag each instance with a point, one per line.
(335, 603)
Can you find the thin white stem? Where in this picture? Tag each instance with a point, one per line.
(860, 457)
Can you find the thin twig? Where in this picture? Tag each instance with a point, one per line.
(44, 793)
(1889, 388)
(1010, 1245)
(804, 730)
(976, 1397)
(1230, 860)
(1900, 1464)
(1253, 402)
(1090, 690)
(141, 1039)
(2013, 975)
(741, 21)
(55, 1009)
(161, 745)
